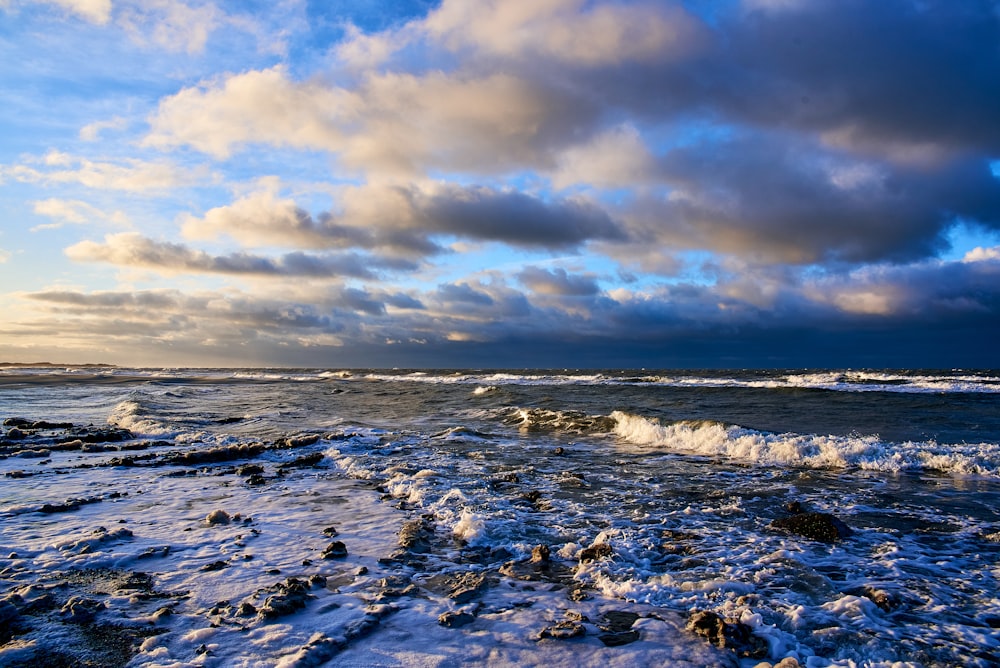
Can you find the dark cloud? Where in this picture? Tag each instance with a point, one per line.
(135, 250)
(557, 282)
(514, 217)
(791, 201)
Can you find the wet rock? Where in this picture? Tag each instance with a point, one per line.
(616, 628)
(883, 599)
(793, 507)
(18, 474)
(246, 609)
(330, 532)
(817, 526)
(335, 550)
(256, 480)
(217, 517)
(454, 619)
(79, 610)
(595, 552)
(97, 435)
(305, 461)
(736, 636)
(563, 631)
(215, 455)
(289, 596)
(214, 566)
(14, 434)
(459, 587)
(249, 470)
(299, 441)
(540, 554)
(415, 535)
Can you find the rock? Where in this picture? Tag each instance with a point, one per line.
(246, 609)
(736, 636)
(793, 507)
(217, 517)
(214, 566)
(79, 610)
(330, 532)
(595, 552)
(305, 461)
(14, 434)
(456, 619)
(249, 470)
(335, 550)
(290, 596)
(301, 440)
(563, 631)
(540, 554)
(817, 526)
(617, 628)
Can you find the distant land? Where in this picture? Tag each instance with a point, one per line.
(55, 364)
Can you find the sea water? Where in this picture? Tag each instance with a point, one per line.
(679, 474)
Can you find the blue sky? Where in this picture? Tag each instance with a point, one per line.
(487, 183)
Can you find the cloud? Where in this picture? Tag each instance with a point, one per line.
(92, 131)
(171, 25)
(408, 219)
(74, 212)
(262, 219)
(393, 123)
(4, 255)
(780, 201)
(131, 175)
(568, 31)
(94, 11)
(130, 249)
(557, 282)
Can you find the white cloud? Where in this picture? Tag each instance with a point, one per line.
(170, 24)
(94, 11)
(132, 175)
(4, 255)
(981, 254)
(74, 212)
(92, 131)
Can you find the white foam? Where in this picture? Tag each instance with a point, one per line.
(814, 451)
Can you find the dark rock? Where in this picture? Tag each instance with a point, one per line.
(736, 636)
(288, 597)
(817, 526)
(256, 480)
(335, 550)
(249, 469)
(563, 631)
(793, 507)
(305, 461)
(214, 566)
(246, 609)
(595, 552)
(618, 639)
(79, 610)
(330, 532)
(540, 554)
(215, 455)
(456, 619)
(14, 434)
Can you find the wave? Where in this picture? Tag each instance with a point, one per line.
(901, 381)
(714, 439)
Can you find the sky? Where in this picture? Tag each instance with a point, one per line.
(500, 183)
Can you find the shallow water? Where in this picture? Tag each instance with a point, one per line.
(680, 473)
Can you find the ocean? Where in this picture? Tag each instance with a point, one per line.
(306, 517)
